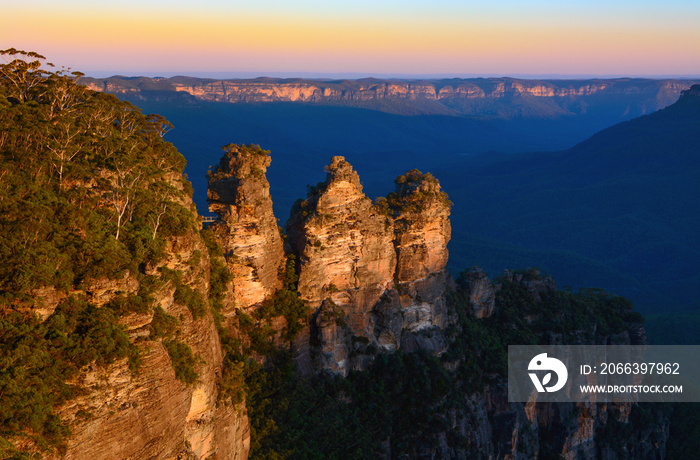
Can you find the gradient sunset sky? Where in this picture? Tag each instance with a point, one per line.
(360, 37)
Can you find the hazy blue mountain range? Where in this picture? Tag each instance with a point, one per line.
(447, 117)
(619, 210)
(615, 211)
(485, 98)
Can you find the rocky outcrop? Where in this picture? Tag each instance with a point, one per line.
(492, 427)
(532, 280)
(151, 413)
(422, 230)
(346, 262)
(482, 295)
(344, 242)
(694, 91)
(247, 229)
(374, 275)
(563, 430)
(141, 371)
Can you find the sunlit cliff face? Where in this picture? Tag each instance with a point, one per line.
(273, 91)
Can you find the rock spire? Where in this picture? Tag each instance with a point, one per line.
(247, 229)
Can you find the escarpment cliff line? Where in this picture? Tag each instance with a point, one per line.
(110, 346)
(300, 90)
(445, 96)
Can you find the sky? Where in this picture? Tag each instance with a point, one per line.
(360, 37)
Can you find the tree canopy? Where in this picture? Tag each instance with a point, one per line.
(88, 191)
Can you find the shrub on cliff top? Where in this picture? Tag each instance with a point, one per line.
(252, 149)
(222, 170)
(88, 182)
(414, 192)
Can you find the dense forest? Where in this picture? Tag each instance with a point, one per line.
(89, 191)
(406, 404)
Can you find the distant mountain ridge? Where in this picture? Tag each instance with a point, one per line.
(501, 98)
(623, 202)
(615, 211)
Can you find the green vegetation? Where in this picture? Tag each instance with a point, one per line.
(256, 336)
(162, 325)
(406, 400)
(414, 192)
(232, 151)
(70, 155)
(78, 156)
(252, 149)
(39, 357)
(183, 361)
(259, 340)
(402, 396)
(286, 304)
(588, 315)
(231, 385)
(305, 207)
(192, 299)
(90, 191)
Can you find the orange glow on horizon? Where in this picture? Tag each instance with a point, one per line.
(188, 41)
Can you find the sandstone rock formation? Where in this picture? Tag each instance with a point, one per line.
(151, 413)
(129, 358)
(482, 295)
(247, 229)
(374, 275)
(421, 232)
(493, 427)
(346, 261)
(346, 243)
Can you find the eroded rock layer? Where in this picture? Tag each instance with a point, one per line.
(346, 261)
(247, 229)
(152, 413)
(374, 275)
(421, 232)
(481, 292)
